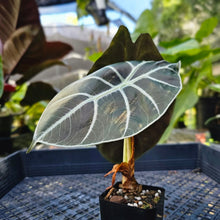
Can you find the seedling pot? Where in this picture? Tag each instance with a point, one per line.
(110, 210)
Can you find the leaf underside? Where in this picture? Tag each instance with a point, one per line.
(115, 102)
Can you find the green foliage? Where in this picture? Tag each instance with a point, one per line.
(81, 8)
(145, 24)
(95, 56)
(28, 111)
(33, 114)
(177, 18)
(206, 28)
(197, 57)
(13, 105)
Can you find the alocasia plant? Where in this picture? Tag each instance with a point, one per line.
(115, 102)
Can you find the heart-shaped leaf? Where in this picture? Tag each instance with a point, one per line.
(113, 103)
(122, 49)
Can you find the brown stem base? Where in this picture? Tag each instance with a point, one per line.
(127, 170)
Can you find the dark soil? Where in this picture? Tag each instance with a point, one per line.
(146, 199)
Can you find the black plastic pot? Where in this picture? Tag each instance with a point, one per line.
(110, 210)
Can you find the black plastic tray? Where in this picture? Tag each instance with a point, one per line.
(65, 184)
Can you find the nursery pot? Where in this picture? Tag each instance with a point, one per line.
(111, 210)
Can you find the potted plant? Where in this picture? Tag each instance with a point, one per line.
(123, 107)
(25, 52)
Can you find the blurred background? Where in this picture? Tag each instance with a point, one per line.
(186, 30)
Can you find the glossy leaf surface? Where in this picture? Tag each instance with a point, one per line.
(115, 102)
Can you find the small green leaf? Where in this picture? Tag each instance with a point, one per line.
(206, 28)
(19, 94)
(95, 56)
(81, 8)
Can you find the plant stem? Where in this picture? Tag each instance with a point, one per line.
(127, 151)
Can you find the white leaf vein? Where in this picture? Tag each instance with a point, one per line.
(93, 121)
(147, 95)
(127, 108)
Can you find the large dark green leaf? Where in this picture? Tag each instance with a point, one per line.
(121, 49)
(38, 91)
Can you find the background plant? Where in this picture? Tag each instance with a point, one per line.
(186, 31)
(25, 53)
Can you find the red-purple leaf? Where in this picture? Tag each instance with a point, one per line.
(16, 46)
(28, 14)
(9, 10)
